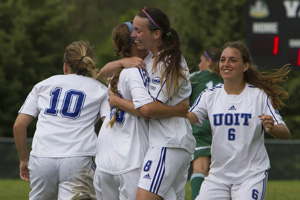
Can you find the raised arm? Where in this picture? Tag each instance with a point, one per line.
(20, 135)
(108, 69)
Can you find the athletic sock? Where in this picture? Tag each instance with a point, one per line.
(196, 181)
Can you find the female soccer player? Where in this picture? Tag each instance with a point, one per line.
(64, 144)
(123, 138)
(171, 142)
(206, 78)
(240, 112)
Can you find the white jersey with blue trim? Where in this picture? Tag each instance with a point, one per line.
(67, 107)
(122, 148)
(175, 132)
(238, 150)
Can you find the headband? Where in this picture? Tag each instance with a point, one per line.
(129, 25)
(207, 56)
(153, 22)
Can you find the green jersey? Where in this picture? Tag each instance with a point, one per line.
(200, 81)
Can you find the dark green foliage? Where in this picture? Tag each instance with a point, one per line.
(34, 34)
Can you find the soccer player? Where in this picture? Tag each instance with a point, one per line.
(240, 112)
(123, 137)
(171, 142)
(206, 78)
(67, 106)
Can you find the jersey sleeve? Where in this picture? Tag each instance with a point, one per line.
(138, 86)
(200, 109)
(158, 89)
(104, 108)
(30, 105)
(269, 110)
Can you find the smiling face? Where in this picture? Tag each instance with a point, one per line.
(143, 37)
(231, 65)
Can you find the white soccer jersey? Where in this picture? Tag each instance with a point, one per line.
(67, 107)
(123, 147)
(175, 132)
(238, 150)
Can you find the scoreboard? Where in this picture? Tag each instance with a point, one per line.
(273, 32)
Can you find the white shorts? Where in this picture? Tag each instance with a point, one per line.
(165, 170)
(61, 178)
(122, 186)
(253, 188)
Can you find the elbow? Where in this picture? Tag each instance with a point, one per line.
(286, 136)
(146, 111)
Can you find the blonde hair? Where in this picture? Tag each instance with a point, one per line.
(79, 57)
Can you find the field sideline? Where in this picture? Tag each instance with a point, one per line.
(276, 190)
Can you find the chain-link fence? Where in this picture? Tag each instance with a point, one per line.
(284, 156)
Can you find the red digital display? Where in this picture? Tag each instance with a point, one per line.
(275, 45)
(273, 28)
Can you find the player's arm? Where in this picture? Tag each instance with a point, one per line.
(192, 117)
(279, 131)
(155, 109)
(108, 69)
(20, 135)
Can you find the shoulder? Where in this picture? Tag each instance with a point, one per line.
(132, 72)
(214, 91)
(49, 81)
(254, 89)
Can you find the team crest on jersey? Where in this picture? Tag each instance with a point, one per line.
(156, 80)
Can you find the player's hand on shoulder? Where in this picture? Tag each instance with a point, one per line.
(133, 62)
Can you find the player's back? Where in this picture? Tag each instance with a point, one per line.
(67, 107)
(126, 142)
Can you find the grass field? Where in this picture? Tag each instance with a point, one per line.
(276, 190)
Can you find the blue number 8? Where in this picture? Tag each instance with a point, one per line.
(147, 165)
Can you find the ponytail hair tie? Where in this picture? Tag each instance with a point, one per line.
(81, 58)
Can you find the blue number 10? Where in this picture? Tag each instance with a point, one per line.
(71, 106)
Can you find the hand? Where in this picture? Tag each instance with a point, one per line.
(133, 62)
(268, 122)
(182, 109)
(24, 172)
(113, 99)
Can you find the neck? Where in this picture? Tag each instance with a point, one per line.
(234, 88)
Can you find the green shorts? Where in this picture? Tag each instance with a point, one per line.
(203, 138)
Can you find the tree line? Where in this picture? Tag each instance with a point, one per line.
(34, 34)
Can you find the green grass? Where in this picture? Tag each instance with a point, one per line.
(276, 190)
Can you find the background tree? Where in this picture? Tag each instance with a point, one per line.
(34, 34)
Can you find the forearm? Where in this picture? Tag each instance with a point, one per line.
(157, 109)
(127, 106)
(108, 69)
(20, 135)
(280, 131)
